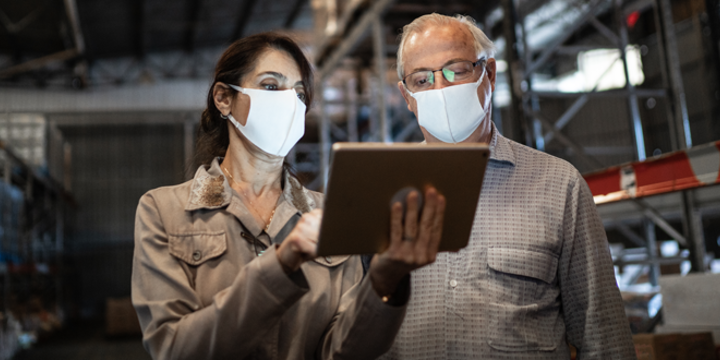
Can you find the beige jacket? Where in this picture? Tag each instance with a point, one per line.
(204, 289)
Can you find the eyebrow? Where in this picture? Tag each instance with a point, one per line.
(443, 65)
(280, 76)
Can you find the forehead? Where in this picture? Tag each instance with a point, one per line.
(273, 60)
(434, 45)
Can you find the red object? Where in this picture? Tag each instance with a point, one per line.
(691, 168)
(633, 18)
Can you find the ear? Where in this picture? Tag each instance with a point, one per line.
(222, 97)
(491, 69)
(404, 94)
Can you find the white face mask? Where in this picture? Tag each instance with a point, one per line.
(451, 114)
(276, 120)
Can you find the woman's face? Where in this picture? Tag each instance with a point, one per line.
(275, 70)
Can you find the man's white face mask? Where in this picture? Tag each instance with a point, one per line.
(451, 114)
(276, 120)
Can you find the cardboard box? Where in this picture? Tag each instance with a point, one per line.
(120, 318)
(698, 346)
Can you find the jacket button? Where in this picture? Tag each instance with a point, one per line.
(197, 255)
(453, 283)
(328, 259)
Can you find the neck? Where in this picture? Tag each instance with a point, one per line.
(251, 169)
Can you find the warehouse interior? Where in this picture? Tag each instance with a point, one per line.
(100, 102)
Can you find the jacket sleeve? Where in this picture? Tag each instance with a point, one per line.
(173, 323)
(595, 318)
(364, 326)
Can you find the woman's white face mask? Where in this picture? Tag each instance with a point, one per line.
(276, 120)
(451, 114)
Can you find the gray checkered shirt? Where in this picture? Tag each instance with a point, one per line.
(535, 276)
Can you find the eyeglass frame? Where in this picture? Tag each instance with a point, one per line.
(474, 64)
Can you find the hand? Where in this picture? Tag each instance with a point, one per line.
(412, 245)
(301, 244)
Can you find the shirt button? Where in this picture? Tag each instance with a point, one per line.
(328, 259)
(453, 283)
(197, 255)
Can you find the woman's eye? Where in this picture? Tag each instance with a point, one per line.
(301, 96)
(270, 86)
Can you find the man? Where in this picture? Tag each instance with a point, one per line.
(537, 273)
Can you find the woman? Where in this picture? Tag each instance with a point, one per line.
(225, 263)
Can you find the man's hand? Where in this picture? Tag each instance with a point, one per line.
(412, 245)
(301, 244)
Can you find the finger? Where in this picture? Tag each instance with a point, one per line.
(426, 221)
(411, 216)
(438, 223)
(396, 226)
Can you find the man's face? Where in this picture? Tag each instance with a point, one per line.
(435, 47)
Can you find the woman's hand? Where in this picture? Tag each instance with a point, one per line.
(412, 245)
(301, 244)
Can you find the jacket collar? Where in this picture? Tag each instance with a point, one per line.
(210, 189)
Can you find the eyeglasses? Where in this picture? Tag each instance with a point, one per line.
(455, 73)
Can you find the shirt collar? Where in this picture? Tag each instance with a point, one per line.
(210, 189)
(500, 148)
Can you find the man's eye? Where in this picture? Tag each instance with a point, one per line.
(301, 96)
(270, 87)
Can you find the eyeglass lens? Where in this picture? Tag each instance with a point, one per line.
(422, 80)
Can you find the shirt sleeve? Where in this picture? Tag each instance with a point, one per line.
(594, 314)
(173, 323)
(364, 326)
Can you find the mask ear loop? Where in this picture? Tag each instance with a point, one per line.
(238, 89)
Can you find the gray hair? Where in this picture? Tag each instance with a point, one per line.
(483, 45)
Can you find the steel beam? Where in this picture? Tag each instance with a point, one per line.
(378, 32)
(579, 151)
(567, 33)
(39, 63)
(641, 93)
(652, 252)
(567, 116)
(630, 234)
(682, 121)
(351, 109)
(632, 98)
(141, 38)
(655, 216)
(602, 29)
(692, 223)
(324, 130)
(193, 24)
(518, 129)
(72, 12)
(358, 32)
(297, 7)
(244, 17)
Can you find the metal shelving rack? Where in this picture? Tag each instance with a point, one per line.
(33, 211)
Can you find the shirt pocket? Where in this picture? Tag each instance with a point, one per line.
(514, 276)
(197, 248)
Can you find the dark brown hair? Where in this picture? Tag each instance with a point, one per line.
(237, 61)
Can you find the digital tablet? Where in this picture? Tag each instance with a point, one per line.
(364, 177)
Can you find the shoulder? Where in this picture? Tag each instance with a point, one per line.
(174, 196)
(534, 161)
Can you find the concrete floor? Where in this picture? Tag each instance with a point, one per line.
(85, 342)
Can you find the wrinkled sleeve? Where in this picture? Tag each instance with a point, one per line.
(364, 326)
(595, 318)
(173, 323)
